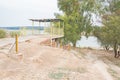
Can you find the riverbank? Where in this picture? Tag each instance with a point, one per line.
(39, 62)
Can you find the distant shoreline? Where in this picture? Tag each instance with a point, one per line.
(26, 27)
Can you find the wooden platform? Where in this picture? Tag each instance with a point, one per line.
(57, 37)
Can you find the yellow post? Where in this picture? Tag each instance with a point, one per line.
(16, 41)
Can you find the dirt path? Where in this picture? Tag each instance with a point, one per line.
(47, 63)
(99, 66)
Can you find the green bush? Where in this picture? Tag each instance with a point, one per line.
(13, 33)
(2, 34)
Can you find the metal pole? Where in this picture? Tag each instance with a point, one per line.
(16, 41)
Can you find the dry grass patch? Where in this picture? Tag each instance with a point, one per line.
(114, 73)
(56, 75)
(64, 73)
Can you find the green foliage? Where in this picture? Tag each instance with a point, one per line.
(102, 36)
(109, 34)
(13, 33)
(114, 5)
(72, 31)
(77, 17)
(2, 34)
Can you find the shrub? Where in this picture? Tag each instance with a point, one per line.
(13, 33)
(2, 34)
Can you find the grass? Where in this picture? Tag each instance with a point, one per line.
(112, 71)
(63, 73)
(79, 69)
(115, 61)
(80, 52)
(2, 33)
(13, 33)
(56, 75)
(114, 74)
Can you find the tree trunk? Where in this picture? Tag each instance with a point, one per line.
(74, 44)
(107, 48)
(115, 50)
(118, 53)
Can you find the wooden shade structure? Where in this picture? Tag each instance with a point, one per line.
(50, 21)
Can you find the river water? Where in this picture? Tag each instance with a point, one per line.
(91, 41)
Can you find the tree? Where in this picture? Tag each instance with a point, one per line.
(77, 17)
(71, 19)
(100, 33)
(109, 34)
(112, 21)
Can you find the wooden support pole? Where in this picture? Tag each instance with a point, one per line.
(51, 33)
(63, 29)
(16, 41)
(53, 30)
(59, 29)
(32, 27)
(39, 28)
(63, 33)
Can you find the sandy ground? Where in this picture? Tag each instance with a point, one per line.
(39, 62)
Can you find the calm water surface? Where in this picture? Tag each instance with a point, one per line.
(88, 42)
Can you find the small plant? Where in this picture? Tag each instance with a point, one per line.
(13, 33)
(58, 75)
(114, 73)
(2, 34)
(23, 31)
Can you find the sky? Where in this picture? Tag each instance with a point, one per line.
(17, 12)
